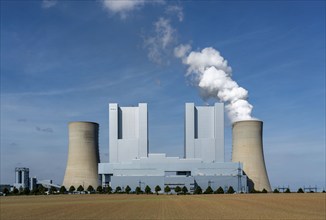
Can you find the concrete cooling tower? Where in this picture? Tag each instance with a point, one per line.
(83, 155)
(247, 147)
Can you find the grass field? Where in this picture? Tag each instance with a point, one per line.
(236, 206)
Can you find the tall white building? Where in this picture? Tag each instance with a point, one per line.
(204, 132)
(128, 132)
(21, 177)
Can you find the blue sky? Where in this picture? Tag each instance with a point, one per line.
(64, 61)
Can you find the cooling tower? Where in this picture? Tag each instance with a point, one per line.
(247, 144)
(83, 155)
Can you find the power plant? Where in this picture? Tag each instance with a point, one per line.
(83, 155)
(131, 164)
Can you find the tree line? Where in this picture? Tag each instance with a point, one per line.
(41, 190)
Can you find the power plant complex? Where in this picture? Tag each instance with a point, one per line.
(131, 164)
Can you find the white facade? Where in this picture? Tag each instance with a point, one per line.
(204, 132)
(128, 132)
(21, 177)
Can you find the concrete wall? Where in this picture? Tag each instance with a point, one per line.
(128, 132)
(83, 155)
(247, 148)
(204, 132)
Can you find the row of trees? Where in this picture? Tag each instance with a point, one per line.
(40, 190)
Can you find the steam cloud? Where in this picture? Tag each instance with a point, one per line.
(211, 73)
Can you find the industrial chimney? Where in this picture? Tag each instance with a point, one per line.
(247, 147)
(83, 155)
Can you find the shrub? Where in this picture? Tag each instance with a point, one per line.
(287, 190)
(138, 190)
(230, 190)
(99, 189)
(157, 189)
(80, 188)
(209, 190)
(108, 189)
(62, 190)
(198, 190)
(26, 191)
(167, 189)
(300, 190)
(5, 191)
(128, 189)
(15, 191)
(184, 189)
(177, 189)
(117, 189)
(148, 189)
(219, 191)
(264, 191)
(72, 189)
(276, 191)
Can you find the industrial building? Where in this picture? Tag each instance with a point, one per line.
(131, 164)
(203, 164)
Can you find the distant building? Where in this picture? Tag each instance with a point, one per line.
(32, 183)
(21, 177)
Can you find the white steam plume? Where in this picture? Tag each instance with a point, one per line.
(212, 75)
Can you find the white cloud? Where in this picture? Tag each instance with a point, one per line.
(164, 37)
(175, 10)
(49, 3)
(181, 50)
(122, 7)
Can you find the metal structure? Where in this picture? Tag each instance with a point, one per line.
(247, 148)
(83, 156)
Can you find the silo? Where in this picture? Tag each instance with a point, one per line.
(83, 155)
(247, 147)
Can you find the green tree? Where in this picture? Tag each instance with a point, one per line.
(41, 189)
(15, 191)
(167, 189)
(138, 190)
(52, 190)
(209, 190)
(90, 188)
(264, 191)
(184, 190)
(99, 189)
(21, 189)
(157, 189)
(26, 191)
(219, 190)
(109, 189)
(117, 189)
(230, 190)
(276, 191)
(287, 190)
(300, 190)
(148, 189)
(80, 188)
(5, 191)
(128, 189)
(62, 190)
(198, 190)
(177, 189)
(72, 189)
